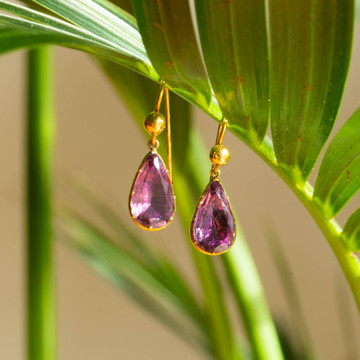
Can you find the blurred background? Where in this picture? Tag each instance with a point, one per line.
(99, 144)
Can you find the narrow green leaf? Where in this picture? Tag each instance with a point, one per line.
(153, 261)
(121, 30)
(47, 29)
(51, 21)
(351, 232)
(126, 5)
(113, 262)
(310, 55)
(300, 334)
(339, 175)
(234, 43)
(17, 35)
(168, 34)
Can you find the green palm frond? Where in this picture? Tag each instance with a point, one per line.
(289, 73)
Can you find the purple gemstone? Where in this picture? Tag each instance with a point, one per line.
(213, 228)
(152, 203)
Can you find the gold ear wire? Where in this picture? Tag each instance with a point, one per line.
(219, 154)
(221, 132)
(159, 97)
(164, 92)
(168, 133)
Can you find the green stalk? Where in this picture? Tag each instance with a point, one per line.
(241, 272)
(220, 329)
(250, 298)
(330, 228)
(41, 333)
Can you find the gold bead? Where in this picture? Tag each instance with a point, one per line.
(155, 123)
(219, 155)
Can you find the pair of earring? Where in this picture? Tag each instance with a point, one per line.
(152, 200)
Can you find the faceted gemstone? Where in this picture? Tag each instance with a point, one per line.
(152, 203)
(213, 227)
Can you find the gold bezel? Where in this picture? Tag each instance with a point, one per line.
(193, 219)
(132, 192)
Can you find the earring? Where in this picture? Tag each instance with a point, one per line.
(213, 227)
(152, 200)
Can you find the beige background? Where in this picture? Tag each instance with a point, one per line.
(96, 321)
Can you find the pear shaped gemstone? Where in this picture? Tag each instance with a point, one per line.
(213, 228)
(152, 203)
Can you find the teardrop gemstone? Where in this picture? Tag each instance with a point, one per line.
(213, 227)
(152, 203)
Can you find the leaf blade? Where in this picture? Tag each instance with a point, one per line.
(51, 29)
(351, 232)
(117, 265)
(120, 30)
(339, 175)
(311, 45)
(234, 42)
(168, 34)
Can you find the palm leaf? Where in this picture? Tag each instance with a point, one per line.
(228, 31)
(141, 283)
(169, 38)
(339, 175)
(310, 52)
(127, 51)
(351, 233)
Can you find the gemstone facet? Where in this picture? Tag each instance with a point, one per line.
(213, 227)
(152, 203)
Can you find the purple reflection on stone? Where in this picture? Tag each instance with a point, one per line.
(213, 228)
(152, 202)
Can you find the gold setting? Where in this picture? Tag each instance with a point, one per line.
(219, 156)
(168, 134)
(193, 220)
(132, 192)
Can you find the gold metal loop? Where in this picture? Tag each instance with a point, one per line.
(221, 132)
(159, 97)
(168, 133)
(153, 145)
(214, 173)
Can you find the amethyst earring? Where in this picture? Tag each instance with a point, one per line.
(213, 227)
(152, 200)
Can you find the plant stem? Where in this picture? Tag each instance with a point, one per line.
(220, 329)
(40, 278)
(242, 273)
(250, 297)
(330, 228)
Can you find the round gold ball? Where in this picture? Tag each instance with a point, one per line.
(219, 155)
(155, 123)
